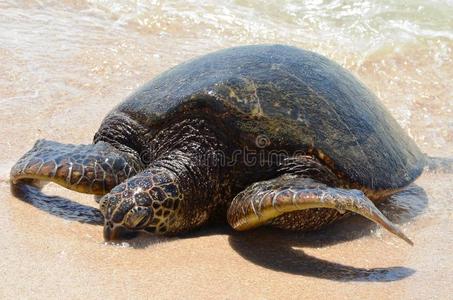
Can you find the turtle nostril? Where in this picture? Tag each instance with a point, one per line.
(103, 205)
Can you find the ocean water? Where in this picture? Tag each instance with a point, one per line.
(65, 64)
(401, 49)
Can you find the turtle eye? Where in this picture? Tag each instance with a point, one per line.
(137, 217)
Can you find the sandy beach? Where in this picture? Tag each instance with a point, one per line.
(66, 64)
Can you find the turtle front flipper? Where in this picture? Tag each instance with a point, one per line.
(266, 201)
(93, 169)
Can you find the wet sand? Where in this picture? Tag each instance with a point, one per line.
(70, 66)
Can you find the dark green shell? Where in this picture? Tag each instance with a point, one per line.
(298, 99)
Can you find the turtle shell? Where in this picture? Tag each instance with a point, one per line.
(296, 99)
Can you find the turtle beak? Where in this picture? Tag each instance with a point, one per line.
(117, 232)
(110, 232)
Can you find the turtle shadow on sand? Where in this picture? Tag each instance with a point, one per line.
(271, 248)
(56, 205)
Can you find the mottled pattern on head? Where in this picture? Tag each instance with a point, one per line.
(153, 192)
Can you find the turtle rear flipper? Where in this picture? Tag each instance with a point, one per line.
(265, 201)
(93, 169)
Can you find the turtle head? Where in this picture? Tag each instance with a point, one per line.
(148, 202)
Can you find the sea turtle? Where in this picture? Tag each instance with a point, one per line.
(262, 134)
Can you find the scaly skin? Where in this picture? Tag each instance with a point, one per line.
(182, 188)
(93, 169)
(150, 201)
(284, 200)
